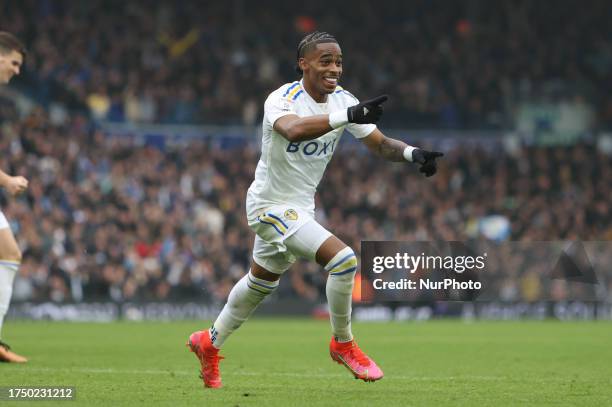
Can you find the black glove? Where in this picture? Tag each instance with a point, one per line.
(427, 159)
(368, 111)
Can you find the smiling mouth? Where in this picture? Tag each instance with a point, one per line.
(330, 80)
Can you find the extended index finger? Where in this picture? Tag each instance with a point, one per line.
(435, 154)
(378, 100)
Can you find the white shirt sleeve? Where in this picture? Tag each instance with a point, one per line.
(360, 130)
(277, 106)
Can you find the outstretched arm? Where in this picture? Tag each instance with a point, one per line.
(388, 148)
(295, 128)
(396, 150)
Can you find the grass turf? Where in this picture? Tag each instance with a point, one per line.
(275, 362)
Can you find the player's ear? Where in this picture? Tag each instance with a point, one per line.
(302, 64)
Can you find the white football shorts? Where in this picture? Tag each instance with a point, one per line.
(285, 233)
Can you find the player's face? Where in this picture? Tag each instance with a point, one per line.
(322, 67)
(10, 65)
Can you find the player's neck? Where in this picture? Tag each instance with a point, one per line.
(316, 96)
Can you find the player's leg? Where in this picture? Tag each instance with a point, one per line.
(10, 259)
(242, 301)
(244, 298)
(315, 242)
(340, 262)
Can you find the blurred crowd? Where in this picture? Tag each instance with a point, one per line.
(107, 218)
(444, 64)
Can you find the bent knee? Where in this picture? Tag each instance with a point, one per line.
(9, 250)
(344, 262)
(17, 256)
(10, 253)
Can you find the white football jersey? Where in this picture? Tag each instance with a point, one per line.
(289, 172)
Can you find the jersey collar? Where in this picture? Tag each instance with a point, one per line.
(311, 98)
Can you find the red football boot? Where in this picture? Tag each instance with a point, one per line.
(200, 344)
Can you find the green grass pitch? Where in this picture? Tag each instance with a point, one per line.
(285, 362)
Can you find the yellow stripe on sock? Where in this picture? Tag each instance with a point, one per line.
(349, 263)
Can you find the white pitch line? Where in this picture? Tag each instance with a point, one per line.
(286, 374)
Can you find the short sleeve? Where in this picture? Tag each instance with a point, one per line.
(360, 130)
(277, 106)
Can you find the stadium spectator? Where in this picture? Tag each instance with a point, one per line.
(460, 65)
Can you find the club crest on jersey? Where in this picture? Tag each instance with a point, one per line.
(290, 214)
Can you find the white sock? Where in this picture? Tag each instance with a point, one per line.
(8, 270)
(246, 295)
(339, 290)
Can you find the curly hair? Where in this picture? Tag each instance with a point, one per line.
(309, 42)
